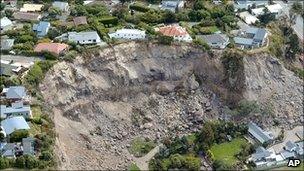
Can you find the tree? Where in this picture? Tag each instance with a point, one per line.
(169, 16)
(54, 11)
(297, 8)
(34, 76)
(124, 1)
(46, 155)
(206, 136)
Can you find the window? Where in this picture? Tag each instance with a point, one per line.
(94, 40)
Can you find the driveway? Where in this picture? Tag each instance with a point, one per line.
(143, 162)
(290, 135)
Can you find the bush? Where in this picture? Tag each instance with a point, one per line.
(46, 155)
(165, 40)
(109, 20)
(139, 7)
(37, 120)
(4, 163)
(18, 135)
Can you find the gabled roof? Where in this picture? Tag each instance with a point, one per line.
(15, 92)
(173, 30)
(26, 16)
(259, 35)
(41, 28)
(55, 48)
(261, 153)
(130, 31)
(275, 8)
(14, 109)
(7, 44)
(13, 124)
(5, 22)
(287, 154)
(6, 69)
(80, 20)
(258, 133)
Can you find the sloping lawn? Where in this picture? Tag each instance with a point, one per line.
(226, 151)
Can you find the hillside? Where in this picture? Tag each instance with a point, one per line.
(104, 99)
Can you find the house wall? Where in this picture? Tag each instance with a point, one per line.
(127, 36)
(186, 38)
(27, 114)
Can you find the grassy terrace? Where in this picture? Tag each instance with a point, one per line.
(226, 151)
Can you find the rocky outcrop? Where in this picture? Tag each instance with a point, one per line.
(105, 99)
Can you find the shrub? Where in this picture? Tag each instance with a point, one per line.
(18, 135)
(46, 155)
(140, 147)
(165, 40)
(4, 163)
(109, 20)
(37, 120)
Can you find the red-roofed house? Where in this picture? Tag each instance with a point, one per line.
(177, 32)
(54, 48)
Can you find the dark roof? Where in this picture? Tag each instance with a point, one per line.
(7, 69)
(261, 153)
(15, 92)
(259, 35)
(258, 133)
(215, 38)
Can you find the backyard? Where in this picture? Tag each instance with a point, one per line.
(226, 152)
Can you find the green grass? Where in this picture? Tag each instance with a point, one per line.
(140, 147)
(133, 167)
(226, 151)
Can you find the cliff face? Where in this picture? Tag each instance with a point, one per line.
(103, 100)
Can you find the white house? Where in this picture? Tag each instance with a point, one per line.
(17, 109)
(6, 24)
(177, 32)
(63, 6)
(83, 38)
(275, 9)
(131, 34)
(248, 18)
(13, 124)
(258, 11)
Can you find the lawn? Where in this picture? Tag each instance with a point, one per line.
(226, 151)
(133, 167)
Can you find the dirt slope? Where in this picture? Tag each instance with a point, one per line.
(105, 99)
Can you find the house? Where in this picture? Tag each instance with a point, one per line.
(251, 38)
(172, 5)
(28, 146)
(245, 4)
(7, 44)
(216, 40)
(63, 6)
(175, 31)
(31, 8)
(41, 28)
(292, 147)
(89, 37)
(258, 11)
(80, 20)
(131, 34)
(7, 69)
(216, 2)
(13, 124)
(8, 150)
(248, 18)
(17, 109)
(262, 157)
(275, 9)
(14, 92)
(6, 24)
(259, 134)
(25, 16)
(54, 48)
